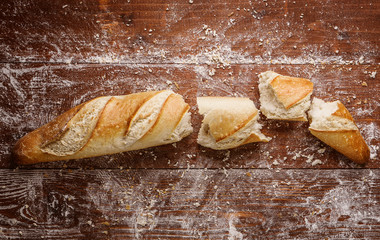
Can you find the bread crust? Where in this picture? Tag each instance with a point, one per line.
(291, 90)
(224, 124)
(111, 127)
(343, 112)
(27, 149)
(349, 142)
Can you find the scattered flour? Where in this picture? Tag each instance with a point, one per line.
(233, 234)
(315, 162)
(373, 74)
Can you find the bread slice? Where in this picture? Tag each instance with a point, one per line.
(332, 123)
(228, 122)
(284, 97)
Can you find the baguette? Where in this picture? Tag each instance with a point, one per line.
(108, 125)
(284, 97)
(333, 124)
(228, 122)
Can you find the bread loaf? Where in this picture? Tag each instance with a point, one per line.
(332, 123)
(228, 122)
(108, 125)
(283, 97)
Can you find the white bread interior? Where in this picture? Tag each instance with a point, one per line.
(322, 118)
(273, 108)
(182, 130)
(228, 122)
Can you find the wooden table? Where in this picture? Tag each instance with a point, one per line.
(57, 54)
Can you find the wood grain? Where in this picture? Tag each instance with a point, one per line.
(174, 31)
(39, 92)
(57, 54)
(195, 204)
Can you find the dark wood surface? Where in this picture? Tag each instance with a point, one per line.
(193, 203)
(57, 54)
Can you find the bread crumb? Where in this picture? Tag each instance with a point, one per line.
(310, 158)
(361, 59)
(322, 150)
(315, 162)
(275, 162)
(373, 74)
(227, 156)
(225, 171)
(364, 84)
(212, 72)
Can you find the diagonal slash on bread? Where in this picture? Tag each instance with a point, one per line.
(108, 125)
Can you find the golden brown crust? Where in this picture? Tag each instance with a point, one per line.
(228, 123)
(300, 119)
(254, 138)
(291, 90)
(114, 121)
(348, 142)
(27, 149)
(119, 112)
(168, 119)
(136, 101)
(343, 112)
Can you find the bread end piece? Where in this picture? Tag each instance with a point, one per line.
(348, 142)
(284, 97)
(332, 123)
(228, 122)
(27, 149)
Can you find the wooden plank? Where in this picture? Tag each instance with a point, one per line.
(175, 31)
(36, 93)
(190, 204)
